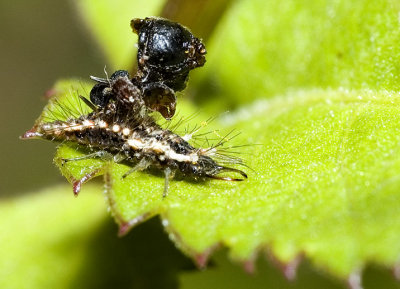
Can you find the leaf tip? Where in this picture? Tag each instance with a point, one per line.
(396, 271)
(201, 259)
(50, 93)
(288, 269)
(126, 226)
(123, 229)
(249, 266)
(77, 184)
(76, 187)
(354, 280)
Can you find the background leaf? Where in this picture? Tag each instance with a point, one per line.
(330, 192)
(109, 21)
(52, 240)
(43, 237)
(265, 49)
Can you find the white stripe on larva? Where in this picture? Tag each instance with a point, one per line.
(164, 150)
(88, 123)
(136, 143)
(102, 124)
(192, 158)
(67, 127)
(77, 127)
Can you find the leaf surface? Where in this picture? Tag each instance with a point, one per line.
(323, 181)
(50, 239)
(316, 90)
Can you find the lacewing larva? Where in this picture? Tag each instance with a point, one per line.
(121, 126)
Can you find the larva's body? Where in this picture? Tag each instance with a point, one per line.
(133, 142)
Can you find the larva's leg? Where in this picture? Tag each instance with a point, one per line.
(140, 166)
(119, 157)
(169, 174)
(98, 154)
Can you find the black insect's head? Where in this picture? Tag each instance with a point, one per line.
(167, 51)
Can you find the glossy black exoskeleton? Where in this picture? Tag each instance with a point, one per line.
(167, 51)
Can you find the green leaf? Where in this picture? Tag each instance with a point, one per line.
(264, 49)
(327, 179)
(268, 275)
(324, 166)
(49, 239)
(323, 182)
(43, 237)
(109, 22)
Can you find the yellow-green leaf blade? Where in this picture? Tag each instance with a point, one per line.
(110, 23)
(323, 181)
(44, 236)
(263, 49)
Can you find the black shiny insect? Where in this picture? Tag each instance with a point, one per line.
(120, 126)
(167, 51)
